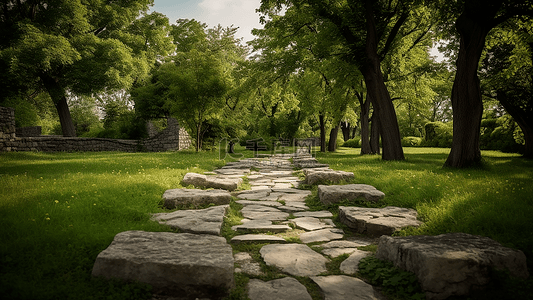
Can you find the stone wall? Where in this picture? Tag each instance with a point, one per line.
(172, 138)
(7, 122)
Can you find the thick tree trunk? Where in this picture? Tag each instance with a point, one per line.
(524, 119)
(374, 134)
(346, 129)
(381, 100)
(365, 128)
(332, 145)
(322, 133)
(466, 93)
(57, 93)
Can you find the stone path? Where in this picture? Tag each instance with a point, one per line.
(198, 263)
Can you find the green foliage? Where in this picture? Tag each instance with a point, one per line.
(395, 282)
(83, 112)
(353, 143)
(500, 134)
(411, 141)
(438, 134)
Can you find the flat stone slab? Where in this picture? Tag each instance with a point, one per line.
(294, 197)
(177, 197)
(247, 264)
(323, 235)
(286, 288)
(207, 220)
(291, 209)
(259, 202)
(314, 176)
(174, 264)
(309, 223)
(260, 226)
(261, 212)
(350, 265)
(451, 264)
(341, 287)
(229, 183)
(292, 191)
(338, 248)
(254, 195)
(294, 259)
(315, 214)
(259, 238)
(378, 221)
(330, 194)
(232, 171)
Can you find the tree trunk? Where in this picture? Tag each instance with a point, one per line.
(346, 130)
(381, 100)
(466, 92)
(322, 133)
(524, 119)
(57, 93)
(375, 134)
(365, 129)
(332, 145)
(198, 137)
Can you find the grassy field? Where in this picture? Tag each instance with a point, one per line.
(495, 200)
(58, 211)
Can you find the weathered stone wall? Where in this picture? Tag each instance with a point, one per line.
(172, 138)
(7, 122)
(29, 131)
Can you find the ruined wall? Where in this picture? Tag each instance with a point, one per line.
(172, 138)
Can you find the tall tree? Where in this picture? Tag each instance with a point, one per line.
(507, 74)
(369, 30)
(474, 19)
(79, 47)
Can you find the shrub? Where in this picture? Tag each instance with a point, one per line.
(411, 141)
(500, 134)
(438, 134)
(352, 143)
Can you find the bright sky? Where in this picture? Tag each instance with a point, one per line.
(240, 13)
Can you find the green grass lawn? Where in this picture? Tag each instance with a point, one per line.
(494, 201)
(59, 210)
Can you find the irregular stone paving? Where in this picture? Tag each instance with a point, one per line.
(207, 220)
(286, 288)
(191, 266)
(378, 221)
(451, 264)
(338, 287)
(178, 197)
(330, 194)
(225, 182)
(195, 265)
(326, 175)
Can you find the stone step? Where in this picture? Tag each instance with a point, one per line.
(229, 183)
(315, 176)
(378, 221)
(309, 223)
(331, 194)
(207, 220)
(258, 238)
(286, 288)
(322, 235)
(451, 264)
(260, 226)
(174, 264)
(294, 259)
(341, 287)
(177, 197)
